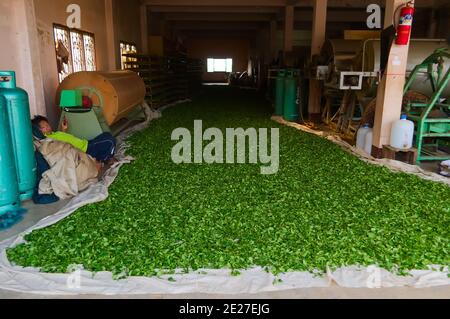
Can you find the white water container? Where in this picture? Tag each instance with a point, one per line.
(368, 141)
(361, 136)
(402, 133)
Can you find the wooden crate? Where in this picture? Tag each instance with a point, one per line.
(405, 155)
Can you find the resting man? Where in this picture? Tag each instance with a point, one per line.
(101, 148)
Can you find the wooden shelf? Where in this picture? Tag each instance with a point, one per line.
(167, 79)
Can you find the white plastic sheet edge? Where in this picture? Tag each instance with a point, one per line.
(254, 280)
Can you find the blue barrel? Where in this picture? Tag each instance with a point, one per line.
(9, 192)
(18, 110)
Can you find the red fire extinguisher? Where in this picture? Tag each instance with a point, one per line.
(405, 25)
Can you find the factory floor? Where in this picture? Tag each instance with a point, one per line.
(33, 215)
(38, 212)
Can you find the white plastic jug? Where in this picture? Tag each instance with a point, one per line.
(402, 133)
(361, 136)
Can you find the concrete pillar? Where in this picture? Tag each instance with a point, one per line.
(432, 28)
(288, 29)
(447, 28)
(273, 39)
(319, 25)
(111, 34)
(20, 50)
(318, 38)
(144, 29)
(390, 90)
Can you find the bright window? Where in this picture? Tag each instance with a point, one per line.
(220, 65)
(75, 51)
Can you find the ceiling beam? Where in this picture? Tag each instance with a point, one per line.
(333, 16)
(215, 3)
(264, 4)
(209, 25)
(217, 17)
(302, 15)
(213, 9)
(217, 34)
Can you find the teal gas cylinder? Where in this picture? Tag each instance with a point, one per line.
(290, 110)
(9, 192)
(279, 92)
(18, 110)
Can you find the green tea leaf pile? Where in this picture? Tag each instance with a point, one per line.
(324, 208)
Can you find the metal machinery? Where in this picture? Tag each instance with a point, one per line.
(288, 92)
(335, 62)
(117, 99)
(349, 73)
(290, 109)
(431, 116)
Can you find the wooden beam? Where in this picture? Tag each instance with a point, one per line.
(390, 90)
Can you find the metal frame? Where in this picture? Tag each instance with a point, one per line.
(360, 75)
(427, 127)
(82, 32)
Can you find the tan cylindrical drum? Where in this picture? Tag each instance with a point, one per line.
(117, 93)
(368, 60)
(339, 53)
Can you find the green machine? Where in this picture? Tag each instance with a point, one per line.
(290, 107)
(97, 102)
(85, 122)
(432, 117)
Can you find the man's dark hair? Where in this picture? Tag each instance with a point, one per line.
(38, 119)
